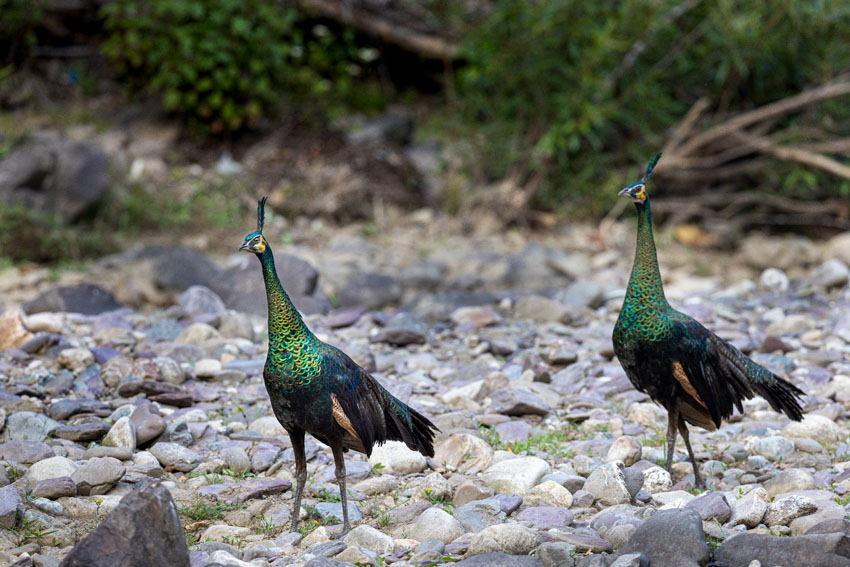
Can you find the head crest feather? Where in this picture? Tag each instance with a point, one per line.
(261, 213)
(651, 166)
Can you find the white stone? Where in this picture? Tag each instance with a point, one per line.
(465, 453)
(396, 457)
(515, 476)
(121, 434)
(435, 523)
(207, 368)
(54, 467)
(775, 280)
(656, 479)
(750, 509)
(672, 499)
(548, 493)
(197, 333)
(370, 538)
(464, 397)
(511, 539)
(44, 322)
(781, 512)
(817, 427)
(608, 484)
(433, 487)
(75, 358)
(626, 449)
(772, 448)
(267, 426)
(648, 415)
(222, 557)
(219, 532)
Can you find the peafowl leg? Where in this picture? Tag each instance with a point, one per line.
(297, 438)
(683, 429)
(672, 422)
(339, 462)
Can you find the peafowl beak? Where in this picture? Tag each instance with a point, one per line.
(246, 246)
(636, 192)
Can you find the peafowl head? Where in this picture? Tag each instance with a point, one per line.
(637, 191)
(255, 242)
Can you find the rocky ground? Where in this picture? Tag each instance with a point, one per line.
(140, 380)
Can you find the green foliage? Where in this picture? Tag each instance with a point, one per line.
(203, 509)
(224, 63)
(584, 90)
(18, 23)
(32, 531)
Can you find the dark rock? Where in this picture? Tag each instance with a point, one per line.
(773, 343)
(148, 423)
(133, 386)
(339, 318)
(370, 291)
(402, 329)
(144, 529)
(671, 538)
(831, 526)
(164, 330)
(91, 431)
(546, 516)
(823, 550)
(176, 431)
(241, 287)
(634, 480)
(711, 506)
(556, 554)
(409, 513)
(499, 560)
(583, 542)
(51, 173)
(322, 562)
(509, 503)
(328, 548)
(88, 299)
(477, 515)
(63, 409)
(25, 452)
(177, 268)
(10, 501)
(177, 399)
(513, 431)
(517, 401)
(54, 488)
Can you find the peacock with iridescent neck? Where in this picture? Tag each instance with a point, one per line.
(316, 388)
(698, 377)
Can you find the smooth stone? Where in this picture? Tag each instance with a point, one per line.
(517, 401)
(148, 423)
(546, 516)
(823, 550)
(54, 467)
(789, 480)
(548, 493)
(556, 554)
(330, 510)
(670, 538)
(498, 560)
(515, 476)
(10, 501)
(626, 449)
(608, 484)
(397, 457)
(90, 431)
(477, 515)
(25, 452)
(817, 427)
(54, 488)
(176, 456)
(29, 426)
(435, 523)
(98, 475)
(711, 506)
(750, 509)
(511, 539)
(463, 452)
(472, 490)
(122, 434)
(370, 538)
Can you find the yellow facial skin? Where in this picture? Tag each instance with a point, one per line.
(261, 245)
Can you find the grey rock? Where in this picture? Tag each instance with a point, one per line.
(144, 529)
(333, 510)
(470, 491)
(176, 456)
(30, 426)
(54, 488)
(514, 430)
(370, 291)
(88, 299)
(515, 476)
(517, 401)
(435, 523)
(711, 506)
(782, 511)
(772, 447)
(10, 501)
(631, 560)
(122, 434)
(582, 293)
(556, 554)
(236, 459)
(49, 172)
(200, 300)
(634, 480)
(327, 548)
(832, 273)
(823, 550)
(89, 431)
(512, 539)
(626, 449)
(176, 431)
(608, 484)
(499, 560)
(177, 268)
(370, 538)
(749, 510)
(477, 515)
(24, 452)
(546, 516)
(98, 475)
(543, 310)
(671, 538)
(148, 423)
(402, 329)
(235, 325)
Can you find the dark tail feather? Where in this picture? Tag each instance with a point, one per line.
(782, 396)
(408, 425)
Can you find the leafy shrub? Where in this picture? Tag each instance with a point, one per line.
(587, 89)
(224, 63)
(18, 22)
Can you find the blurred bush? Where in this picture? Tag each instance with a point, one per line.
(588, 89)
(18, 22)
(224, 63)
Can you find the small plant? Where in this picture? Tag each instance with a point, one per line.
(31, 531)
(98, 502)
(13, 472)
(384, 519)
(202, 509)
(842, 500)
(325, 496)
(377, 467)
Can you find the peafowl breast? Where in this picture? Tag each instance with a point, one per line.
(316, 388)
(695, 375)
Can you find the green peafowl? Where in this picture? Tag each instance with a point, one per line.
(697, 376)
(316, 388)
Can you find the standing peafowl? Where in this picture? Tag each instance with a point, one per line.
(316, 388)
(697, 376)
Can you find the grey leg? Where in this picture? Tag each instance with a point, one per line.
(297, 438)
(672, 422)
(683, 429)
(339, 462)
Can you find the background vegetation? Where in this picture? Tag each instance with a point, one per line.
(565, 98)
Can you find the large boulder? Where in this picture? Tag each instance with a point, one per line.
(144, 529)
(672, 538)
(54, 174)
(88, 299)
(823, 550)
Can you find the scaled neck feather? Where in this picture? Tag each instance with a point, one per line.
(284, 320)
(645, 281)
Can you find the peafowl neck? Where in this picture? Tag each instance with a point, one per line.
(645, 282)
(293, 348)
